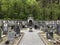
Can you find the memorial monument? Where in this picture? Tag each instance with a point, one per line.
(30, 21)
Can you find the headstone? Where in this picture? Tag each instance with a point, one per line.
(23, 24)
(35, 26)
(30, 29)
(0, 34)
(5, 28)
(58, 29)
(11, 36)
(49, 35)
(17, 29)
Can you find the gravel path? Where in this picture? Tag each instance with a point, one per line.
(31, 38)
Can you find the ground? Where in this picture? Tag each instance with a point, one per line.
(31, 38)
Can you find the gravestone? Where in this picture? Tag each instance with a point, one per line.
(5, 28)
(35, 26)
(58, 29)
(11, 36)
(17, 29)
(23, 24)
(30, 29)
(49, 35)
(0, 34)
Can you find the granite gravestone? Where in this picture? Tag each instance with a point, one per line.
(4, 27)
(17, 29)
(35, 26)
(23, 24)
(49, 34)
(0, 34)
(58, 29)
(11, 36)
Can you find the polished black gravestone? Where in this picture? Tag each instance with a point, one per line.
(35, 27)
(49, 35)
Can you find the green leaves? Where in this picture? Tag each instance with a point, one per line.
(21, 9)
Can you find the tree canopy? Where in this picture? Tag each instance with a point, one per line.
(21, 9)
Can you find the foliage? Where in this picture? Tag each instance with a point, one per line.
(21, 9)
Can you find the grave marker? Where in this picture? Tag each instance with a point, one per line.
(11, 36)
(4, 27)
(58, 29)
(17, 29)
(0, 34)
(49, 35)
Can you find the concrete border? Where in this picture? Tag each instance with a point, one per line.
(20, 39)
(42, 39)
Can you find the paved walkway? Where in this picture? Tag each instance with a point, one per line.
(31, 38)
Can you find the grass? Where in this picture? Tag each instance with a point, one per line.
(57, 37)
(43, 34)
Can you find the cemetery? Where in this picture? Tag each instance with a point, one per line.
(11, 31)
(50, 36)
(29, 22)
(9, 34)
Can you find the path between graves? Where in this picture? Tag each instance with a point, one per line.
(31, 38)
